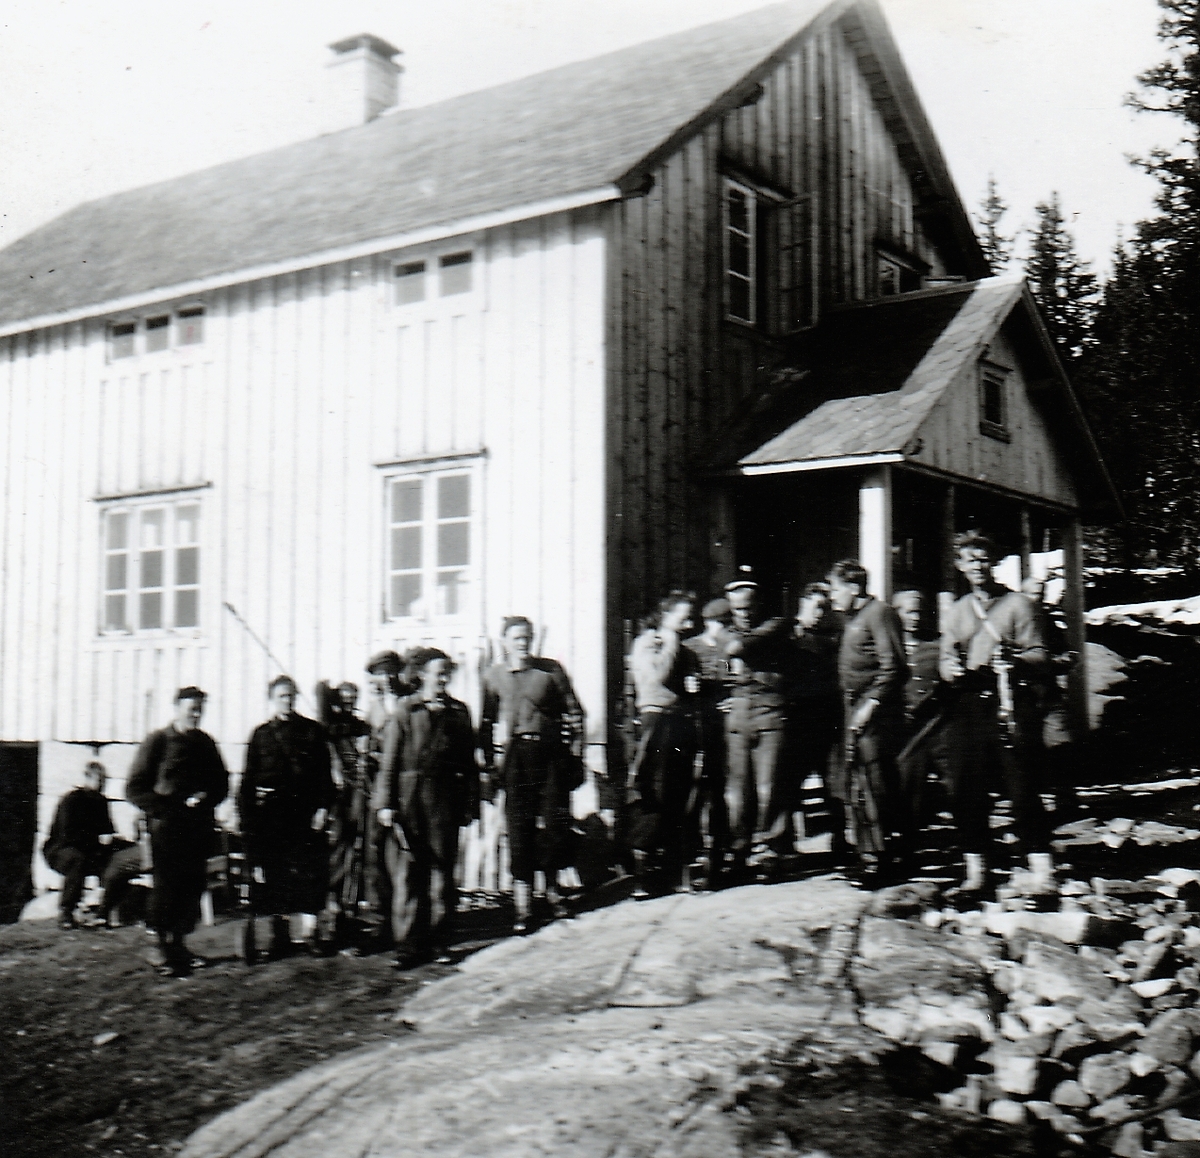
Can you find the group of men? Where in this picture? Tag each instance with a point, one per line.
(733, 722)
(355, 820)
(348, 817)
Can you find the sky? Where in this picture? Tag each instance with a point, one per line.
(99, 97)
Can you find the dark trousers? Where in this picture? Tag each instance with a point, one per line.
(753, 751)
(664, 780)
(708, 812)
(358, 879)
(536, 813)
(124, 865)
(981, 753)
(180, 856)
(878, 804)
(76, 866)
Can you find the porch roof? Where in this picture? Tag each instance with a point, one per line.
(877, 371)
(857, 389)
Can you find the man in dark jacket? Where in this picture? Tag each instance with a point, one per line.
(531, 730)
(283, 802)
(762, 659)
(924, 704)
(177, 779)
(994, 655)
(427, 789)
(80, 840)
(872, 671)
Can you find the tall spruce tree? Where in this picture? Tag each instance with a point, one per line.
(1064, 286)
(997, 247)
(1140, 375)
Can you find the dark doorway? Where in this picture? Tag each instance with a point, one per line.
(791, 528)
(18, 827)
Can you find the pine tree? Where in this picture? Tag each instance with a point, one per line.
(1062, 284)
(1140, 374)
(997, 247)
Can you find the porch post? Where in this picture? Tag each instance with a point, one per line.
(1077, 695)
(949, 576)
(875, 530)
(1026, 541)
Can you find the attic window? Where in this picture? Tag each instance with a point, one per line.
(456, 273)
(121, 339)
(410, 282)
(993, 401)
(191, 326)
(158, 333)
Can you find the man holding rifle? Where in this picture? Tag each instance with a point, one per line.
(994, 655)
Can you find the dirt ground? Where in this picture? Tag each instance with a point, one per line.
(184, 1050)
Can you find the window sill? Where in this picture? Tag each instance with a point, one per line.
(149, 635)
(994, 430)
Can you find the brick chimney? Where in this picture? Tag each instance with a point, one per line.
(363, 81)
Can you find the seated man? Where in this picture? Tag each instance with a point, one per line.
(80, 840)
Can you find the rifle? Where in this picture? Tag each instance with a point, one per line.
(1003, 668)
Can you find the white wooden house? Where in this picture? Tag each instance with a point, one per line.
(547, 348)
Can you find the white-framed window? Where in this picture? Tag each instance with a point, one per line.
(444, 275)
(741, 252)
(150, 573)
(430, 551)
(155, 332)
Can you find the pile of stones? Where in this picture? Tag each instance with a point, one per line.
(1095, 1028)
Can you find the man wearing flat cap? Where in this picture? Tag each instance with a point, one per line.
(177, 779)
(708, 810)
(762, 658)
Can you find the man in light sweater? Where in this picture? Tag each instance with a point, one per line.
(661, 781)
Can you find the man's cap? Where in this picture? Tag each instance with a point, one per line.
(190, 693)
(385, 663)
(716, 609)
(743, 582)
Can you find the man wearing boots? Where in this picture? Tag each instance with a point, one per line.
(994, 655)
(178, 779)
(531, 723)
(427, 789)
(283, 801)
(872, 671)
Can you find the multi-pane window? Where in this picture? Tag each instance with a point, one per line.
(157, 332)
(429, 548)
(449, 275)
(151, 569)
(741, 256)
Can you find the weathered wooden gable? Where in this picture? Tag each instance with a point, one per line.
(1027, 454)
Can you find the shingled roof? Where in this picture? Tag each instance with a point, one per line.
(860, 386)
(886, 366)
(570, 130)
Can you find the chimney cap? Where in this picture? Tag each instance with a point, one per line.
(375, 44)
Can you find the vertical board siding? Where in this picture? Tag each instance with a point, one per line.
(306, 388)
(817, 138)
